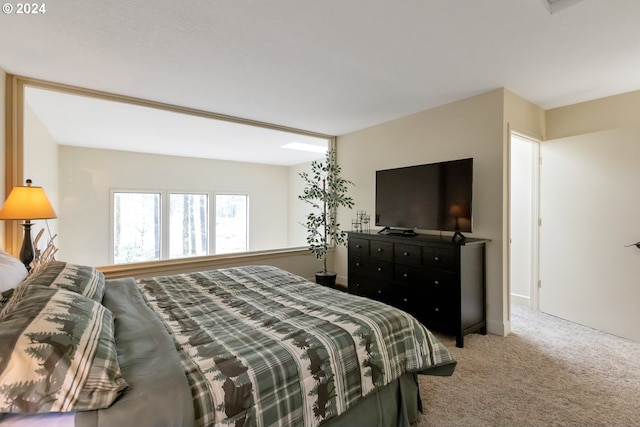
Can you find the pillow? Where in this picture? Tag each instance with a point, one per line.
(80, 279)
(12, 272)
(58, 353)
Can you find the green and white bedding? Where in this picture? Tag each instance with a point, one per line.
(274, 349)
(256, 346)
(81, 279)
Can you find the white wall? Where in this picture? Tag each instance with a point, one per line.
(590, 210)
(474, 128)
(88, 175)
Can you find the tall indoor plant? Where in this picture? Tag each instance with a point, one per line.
(325, 190)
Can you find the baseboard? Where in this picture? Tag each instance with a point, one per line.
(499, 328)
(520, 300)
(342, 280)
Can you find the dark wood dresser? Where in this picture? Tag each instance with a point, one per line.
(440, 282)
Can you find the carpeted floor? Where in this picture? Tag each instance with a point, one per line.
(548, 372)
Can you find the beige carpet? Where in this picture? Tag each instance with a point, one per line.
(548, 372)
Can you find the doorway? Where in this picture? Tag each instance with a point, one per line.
(523, 220)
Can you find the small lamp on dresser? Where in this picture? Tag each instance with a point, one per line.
(27, 203)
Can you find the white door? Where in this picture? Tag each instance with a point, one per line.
(590, 210)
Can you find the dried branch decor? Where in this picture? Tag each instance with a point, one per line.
(41, 258)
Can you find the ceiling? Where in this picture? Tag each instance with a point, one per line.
(81, 121)
(330, 66)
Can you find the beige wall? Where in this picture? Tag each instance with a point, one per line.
(601, 114)
(41, 166)
(474, 128)
(523, 116)
(297, 208)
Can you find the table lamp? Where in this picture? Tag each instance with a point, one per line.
(27, 203)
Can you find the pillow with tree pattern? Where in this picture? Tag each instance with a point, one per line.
(58, 353)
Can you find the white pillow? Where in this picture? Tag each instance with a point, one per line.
(12, 271)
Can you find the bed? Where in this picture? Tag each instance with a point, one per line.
(242, 346)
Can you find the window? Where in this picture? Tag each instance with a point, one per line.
(163, 225)
(188, 218)
(231, 223)
(136, 226)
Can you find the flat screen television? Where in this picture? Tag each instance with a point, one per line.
(435, 196)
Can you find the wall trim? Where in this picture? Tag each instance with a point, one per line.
(182, 265)
(14, 145)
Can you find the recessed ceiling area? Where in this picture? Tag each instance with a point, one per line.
(98, 123)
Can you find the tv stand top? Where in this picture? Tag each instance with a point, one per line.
(418, 237)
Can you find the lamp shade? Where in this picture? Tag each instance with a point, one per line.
(27, 203)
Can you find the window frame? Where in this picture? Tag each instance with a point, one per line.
(112, 231)
(247, 224)
(167, 229)
(165, 219)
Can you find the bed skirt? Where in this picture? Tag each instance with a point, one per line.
(398, 404)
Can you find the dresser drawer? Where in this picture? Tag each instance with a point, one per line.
(407, 298)
(357, 284)
(439, 257)
(409, 275)
(358, 264)
(371, 267)
(439, 308)
(381, 250)
(407, 254)
(358, 247)
(440, 281)
(371, 288)
(380, 269)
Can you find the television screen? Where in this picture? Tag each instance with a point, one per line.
(435, 196)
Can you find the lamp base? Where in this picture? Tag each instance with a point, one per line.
(458, 237)
(26, 251)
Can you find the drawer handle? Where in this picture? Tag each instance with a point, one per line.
(435, 258)
(379, 268)
(405, 253)
(358, 246)
(379, 249)
(379, 291)
(405, 275)
(357, 285)
(436, 282)
(437, 309)
(405, 299)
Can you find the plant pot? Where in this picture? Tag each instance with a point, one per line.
(327, 279)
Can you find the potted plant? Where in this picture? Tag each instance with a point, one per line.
(325, 191)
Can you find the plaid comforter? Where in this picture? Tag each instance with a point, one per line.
(264, 347)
